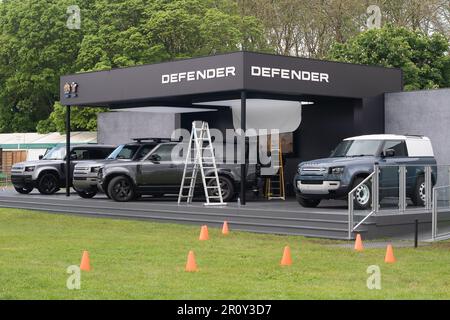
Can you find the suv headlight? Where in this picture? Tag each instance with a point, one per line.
(30, 169)
(100, 173)
(95, 169)
(337, 170)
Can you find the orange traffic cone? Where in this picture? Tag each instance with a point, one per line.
(286, 260)
(204, 233)
(358, 243)
(225, 229)
(85, 263)
(191, 265)
(390, 258)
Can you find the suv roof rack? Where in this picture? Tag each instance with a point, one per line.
(414, 135)
(157, 140)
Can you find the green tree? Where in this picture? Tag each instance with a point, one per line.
(36, 47)
(186, 28)
(134, 32)
(82, 119)
(424, 59)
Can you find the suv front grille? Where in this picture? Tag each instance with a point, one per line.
(313, 171)
(81, 171)
(17, 169)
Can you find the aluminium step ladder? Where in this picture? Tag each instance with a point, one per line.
(201, 148)
(275, 188)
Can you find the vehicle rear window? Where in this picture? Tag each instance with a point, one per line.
(165, 152)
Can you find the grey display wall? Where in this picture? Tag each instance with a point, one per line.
(121, 127)
(423, 113)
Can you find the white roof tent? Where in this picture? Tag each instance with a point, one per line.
(233, 82)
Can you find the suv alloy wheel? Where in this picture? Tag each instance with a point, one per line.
(121, 189)
(419, 195)
(48, 184)
(363, 195)
(227, 187)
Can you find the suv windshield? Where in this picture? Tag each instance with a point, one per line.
(123, 152)
(57, 153)
(357, 148)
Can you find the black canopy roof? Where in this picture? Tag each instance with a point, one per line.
(183, 82)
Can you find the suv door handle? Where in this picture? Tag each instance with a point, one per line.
(172, 166)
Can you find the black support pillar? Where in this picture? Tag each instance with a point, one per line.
(243, 146)
(68, 175)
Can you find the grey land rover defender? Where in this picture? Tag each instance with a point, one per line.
(158, 175)
(85, 173)
(354, 159)
(48, 174)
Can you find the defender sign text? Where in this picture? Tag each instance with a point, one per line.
(206, 74)
(256, 71)
(287, 74)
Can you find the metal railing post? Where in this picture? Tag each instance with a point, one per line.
(434, 216)
(402, 188)
(448, 197)
(350, 215)
(375, 189)
(428, 187)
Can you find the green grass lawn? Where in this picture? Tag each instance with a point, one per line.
(135, 259)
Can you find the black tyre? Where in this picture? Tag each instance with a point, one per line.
(87, 194)
(121, 189)
(419, 195)
(363, 195)
(307, 203)
(48, 184)
(25, 190)
(227, 187)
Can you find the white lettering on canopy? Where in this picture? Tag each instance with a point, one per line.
(288, 74)
(207, 74)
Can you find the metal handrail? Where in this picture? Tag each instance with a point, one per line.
(429, 201)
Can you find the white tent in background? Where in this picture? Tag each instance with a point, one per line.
(36, 144)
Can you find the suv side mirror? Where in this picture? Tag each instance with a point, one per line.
(73, 156)
(41, 157)
(389, 153)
